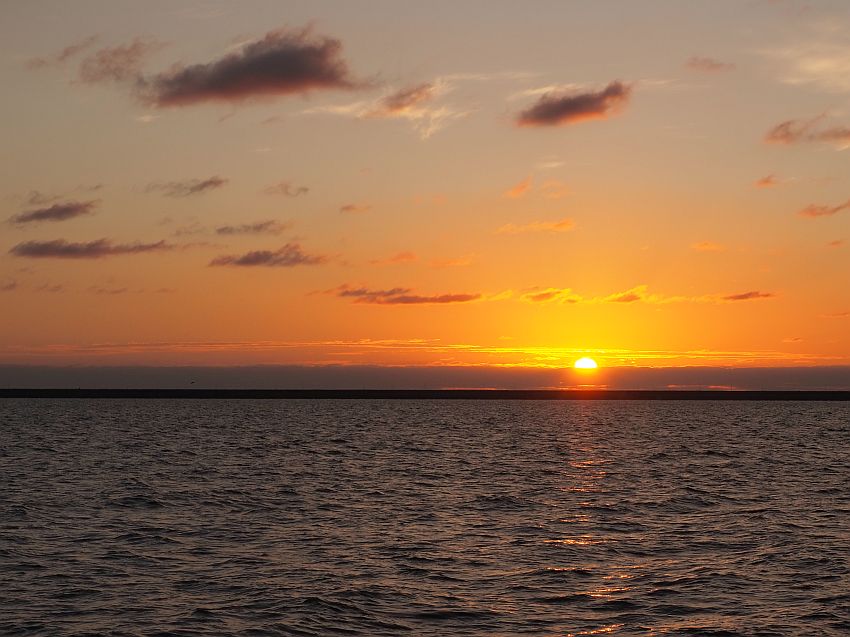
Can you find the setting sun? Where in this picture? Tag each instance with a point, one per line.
(585, 363)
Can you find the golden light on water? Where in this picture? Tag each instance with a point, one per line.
(585, 363)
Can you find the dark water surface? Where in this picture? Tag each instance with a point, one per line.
(170, 517)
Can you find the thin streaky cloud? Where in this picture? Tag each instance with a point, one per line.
(814, 211)
(56, 212)
(288, 256)
(62, 56)
(768, 181)
(708, 246)
(399, 257)
(287, 189)
(400, 296)
(117, 64)
(561, 225)
(354, 208)
(519, 190)
(97, 249)
(259, 227)
(187, 187)
(708, 65)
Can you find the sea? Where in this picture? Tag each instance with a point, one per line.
(424, 517)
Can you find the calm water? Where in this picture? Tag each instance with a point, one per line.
(424, 518)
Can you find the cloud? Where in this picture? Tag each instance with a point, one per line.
(260, 227)
(796, 131)
(458, 262)
(62, 56)
(836, 243)
(554, 189)
(563, 225)
(515, 192)
(708, 246)
(821, 60)
(119, 64)
(187, 187)
(283, 62)
(813, 210)
(708, 65)
(61, 249)
(287, 189)
(552, 295)
(400, 296)
(8, 286)
(768, 181)
(636, 294)
(413, 103)
(56, 212)
(353, 207)
(404, 100)
(288, 256)
(400, 257)
(749, 296)
(559, 109)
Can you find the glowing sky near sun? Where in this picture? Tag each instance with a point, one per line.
(440, 183)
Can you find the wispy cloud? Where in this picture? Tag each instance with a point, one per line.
(187, 187)
(399, 296)
(119, 64)
(259, 227)
(414, 103)
(813, 210)
(62, 56)
(708, 246)
(636, 294)
(560, 109)
(62, 249)
(399, 257)
(354, 208)
(749, 296)
(56, 212)
(519, 190)
(561, 225)
(768, 181)
(836, 243)
(457, 262)
(287, 189)
(708, 65)
(290, 255)
(796, 131)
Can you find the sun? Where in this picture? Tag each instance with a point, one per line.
(585, 363)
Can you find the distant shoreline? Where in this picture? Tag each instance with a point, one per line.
(432, 394)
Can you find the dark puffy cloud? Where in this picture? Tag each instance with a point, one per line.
(121, 63)
(749, 296)
(824, 211)
(61, 249)
(56, 212)
(281, 63)
(708, 65)
(286, 189)
(187, 187)
(260, 227)
(62, 56)
(288, 256)
(400, 296)
(559, 109)
(796, 131)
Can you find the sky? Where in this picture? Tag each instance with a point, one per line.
(435, 185)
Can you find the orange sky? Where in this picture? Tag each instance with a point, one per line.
(656, 183)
